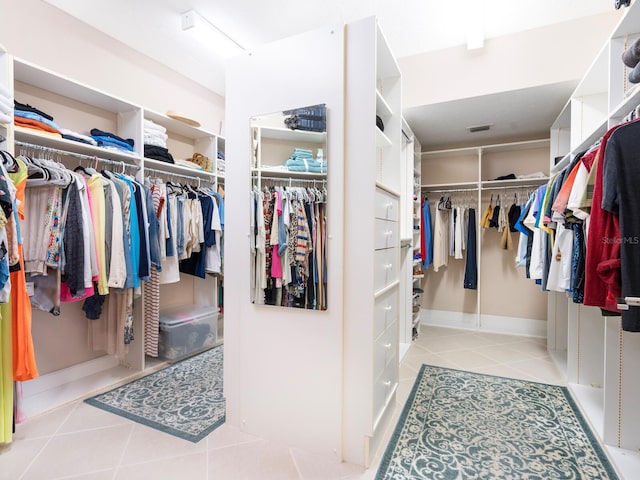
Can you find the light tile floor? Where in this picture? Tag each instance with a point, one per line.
(78, 441)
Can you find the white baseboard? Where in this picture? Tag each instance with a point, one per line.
(485, 323)
(68, 375)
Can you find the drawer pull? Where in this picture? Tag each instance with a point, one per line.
(387, 383)
(390, 205)
(387, 346)
(388, 233)
(388, 308)
(387, 266)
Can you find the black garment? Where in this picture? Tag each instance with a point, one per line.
(495, 219)
(92, 306)
(197, 262)
(25, 107)
(510, 176)
(73, 244)
(76, 139)
(546, 265)
(144, 269)
(621, 196)
(578, 263)
(99, 133)
(529, 248)
(379, 123)
(514, 215)
(158, 153)
(471, 263)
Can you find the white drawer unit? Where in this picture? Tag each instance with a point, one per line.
(383, 388)
(387, 205)
(385, 310)
(385, 349)
(386, 233)
(385, 267)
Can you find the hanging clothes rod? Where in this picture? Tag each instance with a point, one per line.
(514, 187)
(181, 175)
(450, 190)
(76, 155)
(291, 179)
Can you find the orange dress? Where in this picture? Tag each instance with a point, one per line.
(24, 360)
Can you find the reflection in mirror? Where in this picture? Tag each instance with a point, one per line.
(288, 221)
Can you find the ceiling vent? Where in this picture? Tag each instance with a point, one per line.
(479, 128)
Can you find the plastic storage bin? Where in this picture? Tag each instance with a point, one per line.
(187, 330)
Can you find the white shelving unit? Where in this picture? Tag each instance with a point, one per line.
(74, 371)
(410, 211)
(274, 144)
(467, 172)
(599, 358)
(371, 348)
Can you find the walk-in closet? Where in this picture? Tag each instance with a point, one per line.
(296, 241)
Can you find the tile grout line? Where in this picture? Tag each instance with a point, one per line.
(124, 450)
(35, 458)
(295, 464)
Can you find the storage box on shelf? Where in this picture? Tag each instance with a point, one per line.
(186, 330)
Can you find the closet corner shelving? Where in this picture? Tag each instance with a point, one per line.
(72, 371)
(467, 173)
(409, 314)
(597, 356)
(376, 180)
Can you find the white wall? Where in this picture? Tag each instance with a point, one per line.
(39, 33)
(540, 56)
(283, 366)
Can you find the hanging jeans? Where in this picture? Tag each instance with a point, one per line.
(471, 267)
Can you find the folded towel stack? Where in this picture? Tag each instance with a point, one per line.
(155, 134)
(6, 105)
(301, 160)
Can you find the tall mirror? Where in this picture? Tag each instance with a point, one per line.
(288, 208)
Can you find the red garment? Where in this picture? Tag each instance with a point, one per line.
(602, 262)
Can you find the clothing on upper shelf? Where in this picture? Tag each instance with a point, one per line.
(108, 139)
(155, 134)
(77, 137)
(157, 153)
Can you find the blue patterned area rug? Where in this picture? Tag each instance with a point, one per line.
(461, 425)
(184, 399)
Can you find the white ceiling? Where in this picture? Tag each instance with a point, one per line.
(411, 27)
